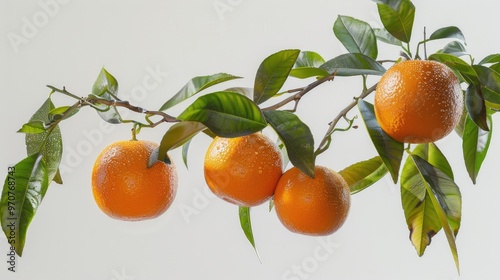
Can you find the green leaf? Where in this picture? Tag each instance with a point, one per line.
(245, 91)
(307, 65)
(227, 114)
(357, 36)
(384, 36)
(476, 107)
(351, 64)
(48, 143)
(33, 127)
(421, 218)
(21, 195)
(490, 84)
(105, 83)
(447, 32)
(492, 58)
(454, 48)
(475, 146)
(397, 16)
(296, 136)
(185, 149)
(390, 150)
(246, 225)
(363, 174)
(272, 74)
(194, 86)
(58, 112)
(176, 136)
(446, 200)
(457, 65)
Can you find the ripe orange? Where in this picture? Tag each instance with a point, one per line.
(125, 188)
(312, 206)
(243, 170)
(418, 101)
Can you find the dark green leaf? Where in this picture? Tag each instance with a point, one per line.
(447, 32)
(386, 37)
(194, 86)
(185, 149)
(457, 65)
(446, 199)
(475, 146)
(227, 114)
(176, 136)
(33, 127)
(490, 86)
(397, 17)
(296, 136)
(390, 150)
(22, 194)
(272, 74)
(476, 108)
(246, 225)
(352, 64)
(49, 143)
(454, 48)
(357, 36)
(363, 174)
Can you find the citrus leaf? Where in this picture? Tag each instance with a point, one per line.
(446, 199)
(195, 85)
(454, 48)
(384, 36)
(476, 107)
(48, 143)
(457, 65)
(60, 111)
(492, 58)
(397, 16)
(475, 146)
(351, 64)
(176, 136)
(361, 175)
(21, 195)
(33, 127)
(105, 83)
(245, 91)
(185, 149)
(296, 136)
(227, 114)
(272, 74)
(246, 225)
(307, 65)
(419, 212)
(106, 87)
(390, 150)
(490, 84)
(447, 32)
(356, 35)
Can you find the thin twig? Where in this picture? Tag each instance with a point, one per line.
(301, 92)
(343, 113)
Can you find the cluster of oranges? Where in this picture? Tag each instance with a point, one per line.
(245, 171)
(416, 101)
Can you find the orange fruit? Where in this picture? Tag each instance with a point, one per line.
(418, 101)
(125, 188)
(243, 170)
(312, 206)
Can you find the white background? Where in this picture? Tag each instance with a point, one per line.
(66, 43)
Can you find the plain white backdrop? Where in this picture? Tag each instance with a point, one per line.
(153, 48)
